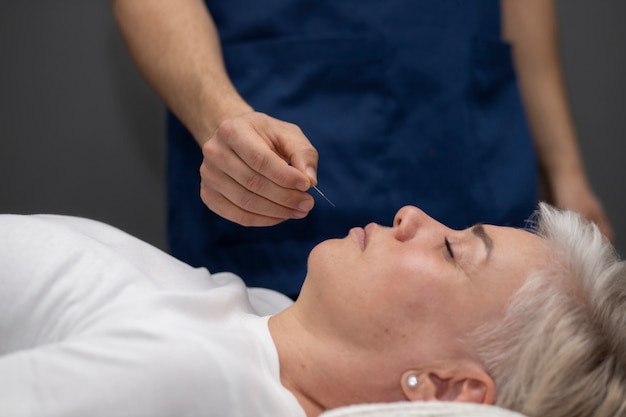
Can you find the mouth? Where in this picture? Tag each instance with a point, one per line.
(362, 235)
(359, 234)
(368, 232)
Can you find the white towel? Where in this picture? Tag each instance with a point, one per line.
(421, 409)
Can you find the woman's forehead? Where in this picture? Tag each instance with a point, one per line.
(519, 243)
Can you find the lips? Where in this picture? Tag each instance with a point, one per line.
(359, 234)
(369, 231)
(362, 235)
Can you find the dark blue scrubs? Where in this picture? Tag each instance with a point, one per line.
(407, 101)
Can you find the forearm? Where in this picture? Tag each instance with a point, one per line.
(530, 26)
(176, 48)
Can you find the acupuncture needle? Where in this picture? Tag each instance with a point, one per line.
(322, 194)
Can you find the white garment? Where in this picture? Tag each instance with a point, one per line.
(94, 322)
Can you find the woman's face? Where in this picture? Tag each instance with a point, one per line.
(418, 283)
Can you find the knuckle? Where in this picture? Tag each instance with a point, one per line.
(207, 197)
(203, 170)
(203, 196)
(258, 162)
(248, 219)
(243, 219)
(293, 128)
(312, 153)
(284, 179)
(209, 150)
(296, 198)
(206, 175)
(222, 207)
(254, 182)
(214, 150)
(247, 202)
(226, 128)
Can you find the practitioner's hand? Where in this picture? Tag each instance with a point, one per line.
(575, 194)
(257, 169)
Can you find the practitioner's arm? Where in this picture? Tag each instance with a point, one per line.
(531, 27)
(245, 177)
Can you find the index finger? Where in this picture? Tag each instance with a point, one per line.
(271, 156)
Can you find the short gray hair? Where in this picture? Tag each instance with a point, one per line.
(560, 350)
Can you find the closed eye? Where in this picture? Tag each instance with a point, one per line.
(448, 247)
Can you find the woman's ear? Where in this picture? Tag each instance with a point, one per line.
(415, 387)
(463, 382)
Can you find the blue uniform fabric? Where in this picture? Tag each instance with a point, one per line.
(407, 102)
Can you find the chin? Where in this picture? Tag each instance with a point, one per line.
(324, 258)
(317, 255)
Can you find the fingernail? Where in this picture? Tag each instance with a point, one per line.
(310, 172)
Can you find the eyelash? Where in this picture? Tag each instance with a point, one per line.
(448, 247)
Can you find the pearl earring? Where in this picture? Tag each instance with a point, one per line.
(412, 381)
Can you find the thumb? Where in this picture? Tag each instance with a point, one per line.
(305, 161)
(298, 151)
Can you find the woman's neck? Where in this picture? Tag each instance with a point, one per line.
(325, 372)
(298, 366)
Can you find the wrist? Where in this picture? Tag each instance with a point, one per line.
(211, 119)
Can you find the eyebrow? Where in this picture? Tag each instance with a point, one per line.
(479, 231)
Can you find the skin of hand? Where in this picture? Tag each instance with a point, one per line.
(253, 172)
(256, 169)
(571, 193)
(531, 27)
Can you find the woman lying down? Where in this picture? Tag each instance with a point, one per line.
(94, 322)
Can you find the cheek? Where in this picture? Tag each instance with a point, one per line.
(417, 280)
(438, 293)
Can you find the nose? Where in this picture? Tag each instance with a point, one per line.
(409, 220)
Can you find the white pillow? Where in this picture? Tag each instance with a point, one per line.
(421, 409)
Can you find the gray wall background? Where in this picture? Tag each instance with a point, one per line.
(82, 134)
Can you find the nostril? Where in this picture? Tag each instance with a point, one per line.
(404, 232)
(397, 220)
(406, 222)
